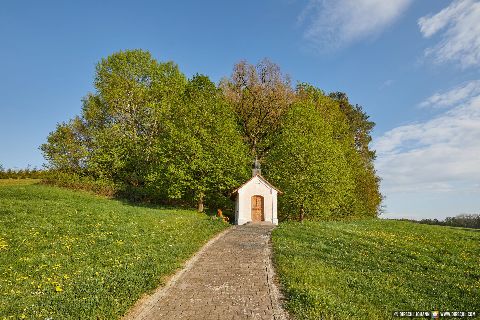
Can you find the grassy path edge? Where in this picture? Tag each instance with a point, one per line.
(145, 303)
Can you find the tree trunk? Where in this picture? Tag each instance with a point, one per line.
(302, 213)
(200, 202)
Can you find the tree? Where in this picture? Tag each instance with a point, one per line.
(260, 95)
(121, 124)
(126, 115)
(359, 124)
(204, 153)
(367, 183)
(309, 164)
(67, 147)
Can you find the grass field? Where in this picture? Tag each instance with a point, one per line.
(368, 269)
(72, 255)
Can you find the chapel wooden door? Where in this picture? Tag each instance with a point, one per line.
(257, 209)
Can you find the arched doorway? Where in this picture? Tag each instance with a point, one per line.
(257, 209)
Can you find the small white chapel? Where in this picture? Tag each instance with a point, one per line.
(256, 199)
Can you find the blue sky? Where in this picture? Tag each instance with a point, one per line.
(413, 66)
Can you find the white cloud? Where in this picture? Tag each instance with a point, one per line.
(438, 155)
(460, 40)
(387, 83)
(332, 24)
(455, 96)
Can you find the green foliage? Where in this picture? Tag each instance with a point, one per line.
(152, 134)
(65, 148)
(368, 269)
(361, 158)
(309, 165)
(75, 181)
(28, 173)
(158, 137)
(321, 160)
(125, 117)
(462, 220)
(203, 156)
(260, 94)
(71, 255)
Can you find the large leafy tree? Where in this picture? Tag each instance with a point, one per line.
(123, 118)
(361, 158)
(308, 162)
(204, 155)
(116, 135)
(260, 94)
(126, 115)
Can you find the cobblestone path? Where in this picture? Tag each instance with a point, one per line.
(231, 278)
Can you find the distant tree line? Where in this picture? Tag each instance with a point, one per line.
(28, 173)
(154, 135)
(462, 220)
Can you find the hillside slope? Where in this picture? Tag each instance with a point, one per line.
(71, 255)
(369, 269)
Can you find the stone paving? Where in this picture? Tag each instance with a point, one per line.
(230, 278)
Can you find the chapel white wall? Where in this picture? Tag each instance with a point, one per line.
(244, 206)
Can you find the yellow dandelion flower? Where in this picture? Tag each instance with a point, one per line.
(3, 244)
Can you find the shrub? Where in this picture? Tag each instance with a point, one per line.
(78, 182)
(27, 173)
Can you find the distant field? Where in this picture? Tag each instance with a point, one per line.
(368, 269)
(71, 255)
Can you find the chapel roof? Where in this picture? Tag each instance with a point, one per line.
(262, 179)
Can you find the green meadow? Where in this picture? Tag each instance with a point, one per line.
(73, 255)
(369, 269)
